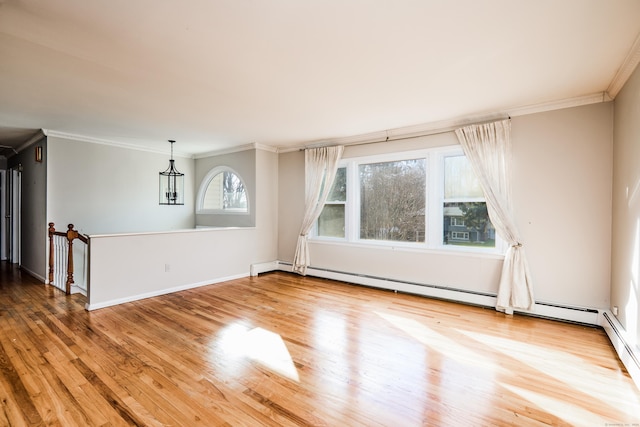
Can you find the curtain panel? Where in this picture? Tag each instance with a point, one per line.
(488, 148)
(321, 165)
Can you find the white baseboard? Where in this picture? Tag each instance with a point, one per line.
(34, 274)
(588, 316)
(582, 315)
(263, 267)
(95, 306)
(78, 290)
(628, 353)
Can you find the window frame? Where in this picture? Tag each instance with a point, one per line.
(204, 186)
(456, 222)
(465, 235)
(434, 204)
(333, 203)
(314, 231)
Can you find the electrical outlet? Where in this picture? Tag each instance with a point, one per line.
(167, 268)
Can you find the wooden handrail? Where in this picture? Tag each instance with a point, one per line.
(71, 235)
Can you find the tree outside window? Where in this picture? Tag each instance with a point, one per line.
(392, 200)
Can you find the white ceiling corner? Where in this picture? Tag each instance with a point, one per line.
(626, 69)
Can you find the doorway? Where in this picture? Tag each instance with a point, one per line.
(3, 216)
(10, 208)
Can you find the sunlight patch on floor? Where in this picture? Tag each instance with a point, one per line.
(581, 376)
(439, 342)
(572, 414)
(330, 331)
(259, 345)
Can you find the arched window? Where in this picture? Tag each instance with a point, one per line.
(222, 191)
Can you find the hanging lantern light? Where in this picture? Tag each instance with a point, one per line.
(171, 184)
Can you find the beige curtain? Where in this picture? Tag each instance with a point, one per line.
(321, 165)
(488, 147)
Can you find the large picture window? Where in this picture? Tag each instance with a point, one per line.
(428, 198)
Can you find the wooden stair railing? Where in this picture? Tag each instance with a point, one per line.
(70, 235)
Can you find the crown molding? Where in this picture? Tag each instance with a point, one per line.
(93, 140)
(423, 129)
(35, 138)
(264, 147)
(230, 150)
(626, 69)
(442, 126)
(594, 98)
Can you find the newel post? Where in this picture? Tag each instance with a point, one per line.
(52, 231)
(71, 234)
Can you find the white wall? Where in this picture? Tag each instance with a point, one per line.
(562, 178)
(33, 221)
(130, 267)
(625, 273)
(244, 163)
(562, 186)
(290, 202)
(267, 208)
(127, 267)
(108, 189)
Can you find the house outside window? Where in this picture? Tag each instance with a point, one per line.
(464, 207)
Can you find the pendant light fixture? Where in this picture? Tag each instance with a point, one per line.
(171, 184)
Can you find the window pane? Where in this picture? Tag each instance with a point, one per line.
(339, 190)
(392, 200)
(225, 191)
(459, 179)
(467, 224)
(331, 221)
(213, 196)
(234, 194)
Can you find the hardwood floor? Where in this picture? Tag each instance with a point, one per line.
(297, 351)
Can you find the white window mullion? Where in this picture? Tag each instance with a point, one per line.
(352, 226)
(434, 215)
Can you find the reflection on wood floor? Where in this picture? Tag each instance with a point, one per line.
(284, 350)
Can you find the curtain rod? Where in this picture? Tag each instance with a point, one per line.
(402, 138)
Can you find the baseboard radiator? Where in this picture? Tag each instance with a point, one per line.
(629, 354)
(580, 315)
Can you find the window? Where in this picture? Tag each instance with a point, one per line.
(427, 198)
(331, 222)
(457, 221)
(458, 235)
(464, 206)
(392, 200)
(222, 191)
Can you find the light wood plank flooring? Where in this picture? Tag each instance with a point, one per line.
(284, 350)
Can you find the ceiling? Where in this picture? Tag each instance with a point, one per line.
(214, 74)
